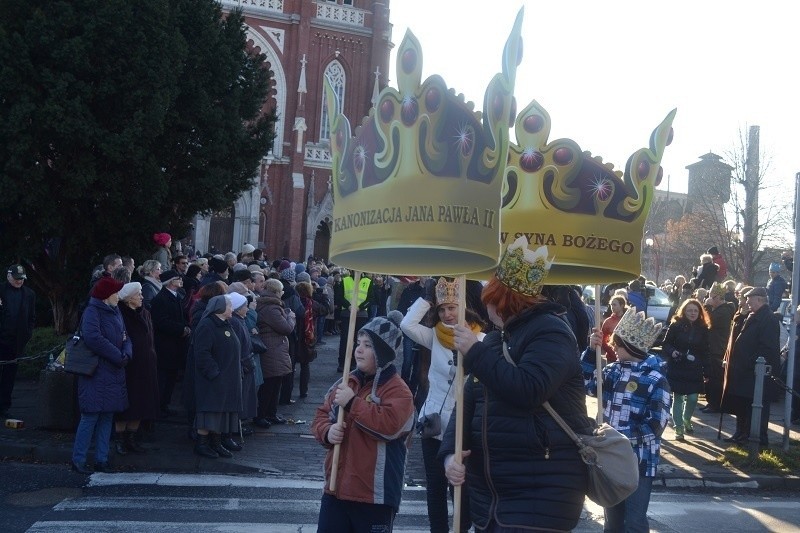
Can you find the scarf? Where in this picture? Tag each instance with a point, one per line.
(445, 334)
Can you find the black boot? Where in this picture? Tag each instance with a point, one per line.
(216, 445)
(119, 443)
(202, 447)
(230, 444)
(131, 444)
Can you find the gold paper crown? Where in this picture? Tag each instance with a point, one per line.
(523, 270)
(638, 332)
(423, 172)
(446, 291)
(590, 216)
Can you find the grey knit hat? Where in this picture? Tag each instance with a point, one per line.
(387, 339)
(288, 274)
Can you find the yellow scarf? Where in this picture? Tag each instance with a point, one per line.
(445, 334)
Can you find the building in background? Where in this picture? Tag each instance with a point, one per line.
(288, 212)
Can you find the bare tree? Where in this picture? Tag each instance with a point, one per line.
(741, 220)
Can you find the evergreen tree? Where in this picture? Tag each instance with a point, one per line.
(119, 119)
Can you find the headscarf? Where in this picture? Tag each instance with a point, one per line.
(216, 305)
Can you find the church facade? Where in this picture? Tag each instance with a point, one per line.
(288, 212)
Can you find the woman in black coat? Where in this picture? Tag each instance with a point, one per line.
(522, 469)
(217, 379)
(141, 375)
(686, 350)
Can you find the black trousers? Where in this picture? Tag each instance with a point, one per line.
(8, 375)
(343, 332)
(268, 394)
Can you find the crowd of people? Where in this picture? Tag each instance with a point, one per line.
(233, 328)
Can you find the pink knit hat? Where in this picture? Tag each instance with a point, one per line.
(161, 239)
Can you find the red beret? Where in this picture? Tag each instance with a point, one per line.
(105, 287)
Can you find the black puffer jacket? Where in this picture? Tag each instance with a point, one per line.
(685, 375)
(524, 470)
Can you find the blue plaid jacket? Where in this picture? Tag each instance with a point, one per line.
(636, 402)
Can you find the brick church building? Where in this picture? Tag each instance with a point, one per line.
(288, 211)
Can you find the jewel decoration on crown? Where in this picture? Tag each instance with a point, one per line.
(637, 330)
(523, 270)
(447, 291)
(417, 188)
(589, 215)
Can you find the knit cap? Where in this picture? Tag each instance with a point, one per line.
(302, 276)
(288, 274)
(387, 338)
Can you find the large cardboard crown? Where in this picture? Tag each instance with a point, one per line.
(590, 216)
(417, 189)
(523, 270)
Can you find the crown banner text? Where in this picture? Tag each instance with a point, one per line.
(417, 190)
(590, 216)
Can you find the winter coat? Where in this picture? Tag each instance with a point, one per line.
(690, 339)
(249, 398)
(775, 289)
(274, 324)
(104, 333)
(373, 453)
(524, 470)
(441, 396)
(759, 337)
(706, 275)
(149, 291)
(721, 321)
(217, 368)
(16, 325)
(141, 374)
(169, 322)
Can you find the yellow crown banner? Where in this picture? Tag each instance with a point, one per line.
(417, 189)
(590, 216)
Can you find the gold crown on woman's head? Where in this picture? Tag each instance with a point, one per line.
(446, 291)
(523, 270)
(637, 333)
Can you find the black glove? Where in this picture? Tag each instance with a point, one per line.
(430, 290)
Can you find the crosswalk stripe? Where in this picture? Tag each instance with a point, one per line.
(183, 527)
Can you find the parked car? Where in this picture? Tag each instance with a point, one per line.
(658, 305)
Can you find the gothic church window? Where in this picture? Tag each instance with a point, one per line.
(334, 72)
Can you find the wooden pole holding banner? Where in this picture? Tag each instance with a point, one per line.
(348, 356)
(599, 354)
(459, 392)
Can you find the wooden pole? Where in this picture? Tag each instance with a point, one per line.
(599, 354)
(459, 392)
(348, 356)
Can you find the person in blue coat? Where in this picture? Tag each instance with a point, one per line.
(103, 393)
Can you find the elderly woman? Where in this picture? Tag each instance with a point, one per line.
(217, 379)
(141, 376)
(274, 323)
(150, 271)
(103, 393)
(524, 471)
(249, 399)
(202, 262)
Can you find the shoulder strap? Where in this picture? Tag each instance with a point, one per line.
(549, 408)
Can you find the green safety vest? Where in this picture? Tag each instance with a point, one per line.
(363, 289)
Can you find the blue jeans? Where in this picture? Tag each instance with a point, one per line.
(99, 425)
(630, 516)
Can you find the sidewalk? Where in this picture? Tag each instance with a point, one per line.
(291, 451)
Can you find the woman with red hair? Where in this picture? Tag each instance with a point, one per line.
(523, 470)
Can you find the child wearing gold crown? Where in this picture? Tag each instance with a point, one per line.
(441, 400)
(636, 402)
(524, 471)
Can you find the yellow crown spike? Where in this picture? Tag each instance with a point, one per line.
(589, 215)
(417, 188)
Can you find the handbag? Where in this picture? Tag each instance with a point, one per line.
(258, 345)
(430, 425)
(78, 358)
(612, 463)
